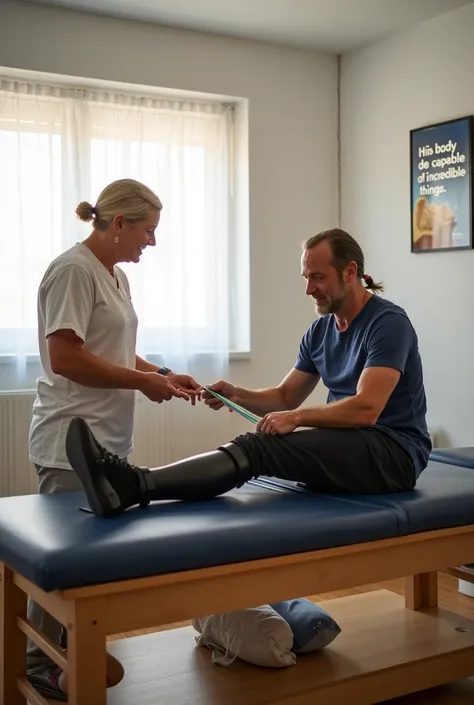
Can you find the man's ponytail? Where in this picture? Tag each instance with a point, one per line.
(370, 284)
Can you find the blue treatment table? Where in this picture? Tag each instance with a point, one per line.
(266, 542)
(464, 457)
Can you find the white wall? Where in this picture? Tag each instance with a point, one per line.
(415, 78)
(293, 119)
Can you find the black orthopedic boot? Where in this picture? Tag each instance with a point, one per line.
(112, 484)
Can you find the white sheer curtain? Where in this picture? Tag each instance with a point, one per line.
(59, 146)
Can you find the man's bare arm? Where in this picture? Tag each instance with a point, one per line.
(375, 386)
(288, 395)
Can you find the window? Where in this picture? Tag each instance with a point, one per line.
(62, 145)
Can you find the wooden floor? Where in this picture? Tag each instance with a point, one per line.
(461, 693)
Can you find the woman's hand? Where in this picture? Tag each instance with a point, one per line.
(278, 423)
(186, 384)
(160, 388)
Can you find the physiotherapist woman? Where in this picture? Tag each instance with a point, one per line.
(87, 330)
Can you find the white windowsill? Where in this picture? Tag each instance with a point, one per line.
(236, 356)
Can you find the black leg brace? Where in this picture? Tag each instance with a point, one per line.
(196, 478)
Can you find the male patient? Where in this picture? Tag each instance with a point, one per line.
(370, 437)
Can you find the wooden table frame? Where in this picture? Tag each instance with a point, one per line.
(92, 613)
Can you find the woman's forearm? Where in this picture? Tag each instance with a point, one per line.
(144, 365)
(83, 367)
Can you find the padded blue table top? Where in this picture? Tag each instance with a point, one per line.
(50, 541)
(463, 457)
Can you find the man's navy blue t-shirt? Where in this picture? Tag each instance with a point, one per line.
(381, 335)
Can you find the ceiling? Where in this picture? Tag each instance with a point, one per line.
(325, 25)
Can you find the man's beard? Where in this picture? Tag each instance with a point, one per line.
(330, 304)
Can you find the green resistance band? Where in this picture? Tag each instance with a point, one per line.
(235, 407)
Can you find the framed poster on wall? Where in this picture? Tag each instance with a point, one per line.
(441, 186)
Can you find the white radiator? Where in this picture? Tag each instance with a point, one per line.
(17, 475)
(163, 433)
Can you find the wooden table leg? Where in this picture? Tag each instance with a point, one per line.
(13, 603)
(421, 591)
(87, 678)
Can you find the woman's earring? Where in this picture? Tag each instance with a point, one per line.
(117, 239)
